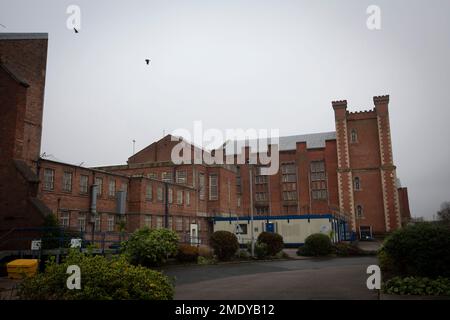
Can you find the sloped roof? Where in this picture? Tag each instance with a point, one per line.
(25, 171)
(40, 206)
(13, 74)
(22, 36)
(285, 143)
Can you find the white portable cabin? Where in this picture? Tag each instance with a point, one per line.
(293, 228)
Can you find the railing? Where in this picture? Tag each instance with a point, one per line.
(56, 237)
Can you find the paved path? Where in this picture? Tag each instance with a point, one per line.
(328, 278)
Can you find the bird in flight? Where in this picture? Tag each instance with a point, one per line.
(3, 25)
(147, 61)
(76, 31)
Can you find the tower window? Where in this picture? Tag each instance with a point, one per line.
(359, 211)
(357, 183)
(354, 136)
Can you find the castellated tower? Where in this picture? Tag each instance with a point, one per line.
(367, 189)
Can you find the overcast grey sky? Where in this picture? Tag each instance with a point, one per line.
(243, 64)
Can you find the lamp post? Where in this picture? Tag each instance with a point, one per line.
(250, 169)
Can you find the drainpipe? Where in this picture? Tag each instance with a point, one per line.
(166, 205)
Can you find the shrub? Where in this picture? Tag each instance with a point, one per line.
(317, 244)
(148, 247)
(418, 286)
(187, 253)
(273, 241)
(203, 260)
(418, 250)
(347, 250)
(261, 250)
(225, 244)
(205, 251)
(243, 254)
(101, 279)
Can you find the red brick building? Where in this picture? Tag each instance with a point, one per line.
(349, 173)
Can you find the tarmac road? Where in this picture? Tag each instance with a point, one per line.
(324, 278)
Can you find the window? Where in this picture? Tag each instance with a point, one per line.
(84, 183)
(160, 194)
(152, 175)
(124, 187)
(359, 211)
(357, 184)
(241, 228)
(82, 222)
(64, 219)
(289, 195)
(170, 225)
(261, 196)
(166, 176)
(213, 187)
(318, 170)
(179, 224)
(112, 188)
(353, 136)
(148, 192)
(188, 198)
(289, 172)
(262, 210)
(238, 202)
(201, 178)
(110, 223)
(49, 179)
(170, 195)
(260, 179)
(186, 224)
(318, 180)
(159, 222)
(148, 221)
(181, 177)
(180, 197)
(97, 223)
(99, 183)
(67, 181)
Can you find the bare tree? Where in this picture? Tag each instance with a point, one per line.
(444, 213)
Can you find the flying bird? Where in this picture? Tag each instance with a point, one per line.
(76, 31)
(3, 25)
(147, 61)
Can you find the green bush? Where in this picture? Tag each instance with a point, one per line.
(417, 250)
(418, 286)
(101, 279)
(205, 261)
(187, 253)
(317, 244)
(225, 244)
(148, 247)
(261, 251)
(347, 250)
(273, 241)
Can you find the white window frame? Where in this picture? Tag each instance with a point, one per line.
(67, 181)
(84, 188)
(49, 179)
(111, 223)
(213, 187)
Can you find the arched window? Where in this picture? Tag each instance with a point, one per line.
(357, 183)
(359, 211)
(354, 136)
